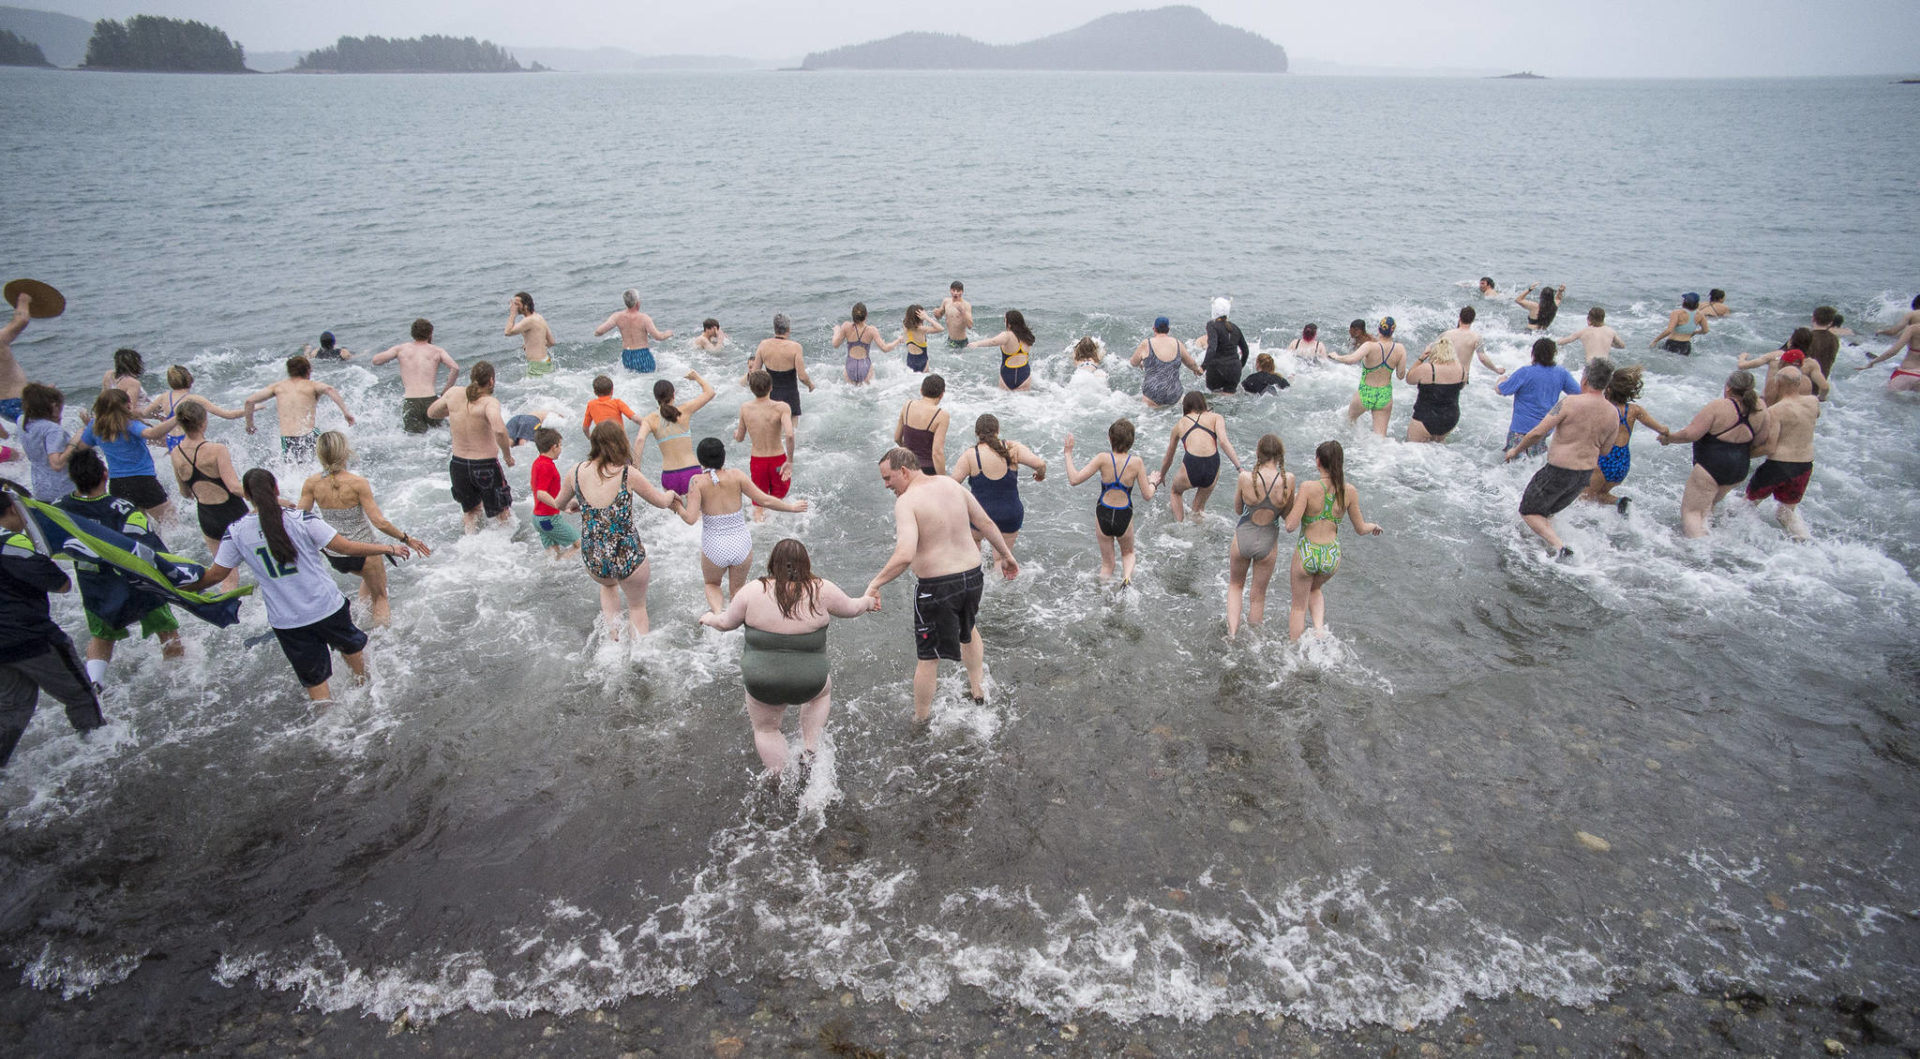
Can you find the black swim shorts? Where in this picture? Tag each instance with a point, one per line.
(1552, 489)
(944, 609)
(306, 647)
(477, 482)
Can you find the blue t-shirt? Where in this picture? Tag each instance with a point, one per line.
(42, 438)
(128, 456)
(1535, 391)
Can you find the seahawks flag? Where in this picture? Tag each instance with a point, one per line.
(152, 577)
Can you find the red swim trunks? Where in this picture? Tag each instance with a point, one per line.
(1785, 482)
(765, 472)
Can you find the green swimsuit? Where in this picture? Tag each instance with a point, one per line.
(1374, 398)
(1319, 558)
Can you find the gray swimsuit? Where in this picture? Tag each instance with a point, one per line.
(1257, 541)
(1162, 385)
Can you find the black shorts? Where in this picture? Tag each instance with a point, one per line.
(1223, 378)
(413, 415)
(1552, 489)
(346, 564)
(141, 490)
(215, 518)
(944, 609)
(1674, 345)
(306, 647)
(478, 482)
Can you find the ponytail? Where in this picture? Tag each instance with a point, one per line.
(987, 429)
(482, 380)
(264, 492)
(790, 576)
(663, 393)
(1333, 460)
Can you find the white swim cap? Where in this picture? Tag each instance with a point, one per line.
(1221, 306)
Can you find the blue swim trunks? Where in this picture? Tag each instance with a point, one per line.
(637, 359)
(11, 408)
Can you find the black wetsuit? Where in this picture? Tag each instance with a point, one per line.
(1226, 355)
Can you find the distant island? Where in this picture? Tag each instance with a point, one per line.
(17, 52)
(1168, 38)
(1524, 75)
(62, 38)
(168, 45)
(429, 54)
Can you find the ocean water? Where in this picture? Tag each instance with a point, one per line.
(1146, 822)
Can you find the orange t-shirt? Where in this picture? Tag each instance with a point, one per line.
(601, 408)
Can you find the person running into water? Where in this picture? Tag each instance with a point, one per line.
(636, 330)
(1910, 318)
(913, 331)
(1617, 460)
(126, 443)
(1596, 340)
(478, 481)
(1438, 376)
(1119, 470)
(769, 423)
(860, 337)
(1200, 465)
(46, 442)
(1906, 377)
(1308, 346)
(328, 349)
(710, 339)
(1264, 378)
(714, 504)
(785, 364)
(557, 535)
(12, 378)
(928, 441)
(1317, 509)
(35, 654)
(345, 501)
(993, 474)
(1723, 434)
(1466, 344)
(1583, 427)
(128, 367)
(206, 475)
(1535, 389)
(101, 584)
(294, 398)
(1226, 349)
(932, 515)
(1379, 360)
(672, 427)
(1716, 306)
(956, 313)
(610, 544)
(536, 338)
(605, 407)
(309, 614)
(1683, 326)
(1260, 498)
(180, 392)
(1087, 356)
(1162, 355)
(784, 662)
(1016, 347)
(1540, 313)
(1789, 450)
(420, 362)
(1806, 376)
(1487, 289)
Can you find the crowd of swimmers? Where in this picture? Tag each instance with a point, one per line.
(944, 511)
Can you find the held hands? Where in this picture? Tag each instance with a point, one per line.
(1154, 479)
(874, 595)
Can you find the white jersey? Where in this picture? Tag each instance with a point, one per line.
(297, 593)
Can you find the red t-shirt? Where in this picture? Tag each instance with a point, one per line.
(546, 479)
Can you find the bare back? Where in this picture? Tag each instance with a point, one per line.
(1588, 424)
(473, 424)
(767, 423)
(778, 354)
(934, 508)
(420, 367)
(1793, 418)
(720, 491)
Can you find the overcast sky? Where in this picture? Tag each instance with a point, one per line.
(1567, 38)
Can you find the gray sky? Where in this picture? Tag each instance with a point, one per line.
(1567, 38)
